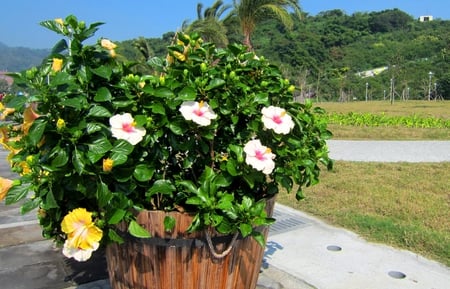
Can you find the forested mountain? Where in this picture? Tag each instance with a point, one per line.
(333, 56)
(20, 58)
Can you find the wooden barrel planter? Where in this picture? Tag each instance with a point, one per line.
(177, 260)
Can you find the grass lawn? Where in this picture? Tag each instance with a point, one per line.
(406, 205)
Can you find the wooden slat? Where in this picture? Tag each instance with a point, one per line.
(141, 265)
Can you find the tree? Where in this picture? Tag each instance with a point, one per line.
(210, 24)
(251, 12)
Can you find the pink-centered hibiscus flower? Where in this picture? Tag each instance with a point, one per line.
(277, 119)
(259, 157)
(83, 237)
(198, 112)
(124, 127)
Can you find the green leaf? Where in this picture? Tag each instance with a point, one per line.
(93, 127)
(158, 108)
(195, 225)
(59, 157)
(50, 202)
(216, 82)
(119, 158)
(137, 230)
(216, 219)
(117, 217)
(143, 173)
(162, 187)
(78, 102)
(103, 94)
(231, 167)
(224, 227)
(190, 186)
(259, 238)
(176, 128)
(36, 131)
(187, 93)
(122, 147)
(78, 161)
(238, 151)
(99, 111)
(113, 236)
(103, 71)
(163, 92)
(169, 223)
(245, 229)
(52, 25)
(17, 103)
(195, 201)
(98, 148)
(104, 195)
(247, 203)
(29, 205)
(225, 203)
(16, 194)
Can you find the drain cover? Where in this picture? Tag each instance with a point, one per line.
(286, 222)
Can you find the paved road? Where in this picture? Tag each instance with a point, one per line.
(390, 151)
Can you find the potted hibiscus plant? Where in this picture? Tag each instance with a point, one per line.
(206, 131)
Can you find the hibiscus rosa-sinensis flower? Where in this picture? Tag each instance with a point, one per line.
(276, 118)
(198, 112)
(259, 157)
(83, 236)
(124, 127)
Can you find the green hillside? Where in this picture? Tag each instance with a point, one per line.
(328, 55)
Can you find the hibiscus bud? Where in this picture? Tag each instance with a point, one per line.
(203, 67)
(60, 124)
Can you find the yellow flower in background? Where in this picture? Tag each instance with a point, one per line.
(83, 236)
(59, 21)
(57, 64)
(108, 164)
(5, 185)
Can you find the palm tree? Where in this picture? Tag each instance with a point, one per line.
(209, 23)
(250, 12)
(144, 47)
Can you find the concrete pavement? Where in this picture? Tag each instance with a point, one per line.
(302, 251)
(390, 151)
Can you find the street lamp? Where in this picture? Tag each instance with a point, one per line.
(430, 74)
(367, 86)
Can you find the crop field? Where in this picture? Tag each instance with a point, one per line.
(407, 120)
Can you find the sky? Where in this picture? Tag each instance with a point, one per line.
(130, 19)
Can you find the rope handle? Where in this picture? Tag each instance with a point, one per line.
(226, 251)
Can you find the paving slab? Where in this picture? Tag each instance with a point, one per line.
(335, 258)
